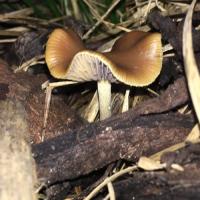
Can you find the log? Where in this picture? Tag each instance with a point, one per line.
(17, 167)
(174, 96)
(76, 151)
(168, 184)
(92, 147)
(27, 90)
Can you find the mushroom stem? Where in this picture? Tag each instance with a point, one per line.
(104, 93)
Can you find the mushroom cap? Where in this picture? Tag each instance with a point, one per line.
(128, 40)
(135, 59)
(139, 63)
(61, 47)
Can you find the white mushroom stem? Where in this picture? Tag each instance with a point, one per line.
(104, 93)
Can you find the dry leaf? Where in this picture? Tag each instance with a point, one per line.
(150, 164)
(177, 167)
(193, 136)
(191, 68)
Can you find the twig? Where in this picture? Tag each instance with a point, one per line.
(125, 105)
(111, 191)
(100, 21)
(49, 87)
(18, 13)
(109, 179)
(98, 17)
(76, 9)
(92, 109)
(31, 62)
(7, 40)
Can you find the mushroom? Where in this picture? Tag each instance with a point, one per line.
(135, 59)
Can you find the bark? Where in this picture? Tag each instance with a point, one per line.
(26, 88)
(169, 184)
(84, 150)
(174, 96)
(17, 168)
(127, 136)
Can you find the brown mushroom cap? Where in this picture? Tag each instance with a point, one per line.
(135, 59)
(128, 40)
(138, 64)
(61, 47)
